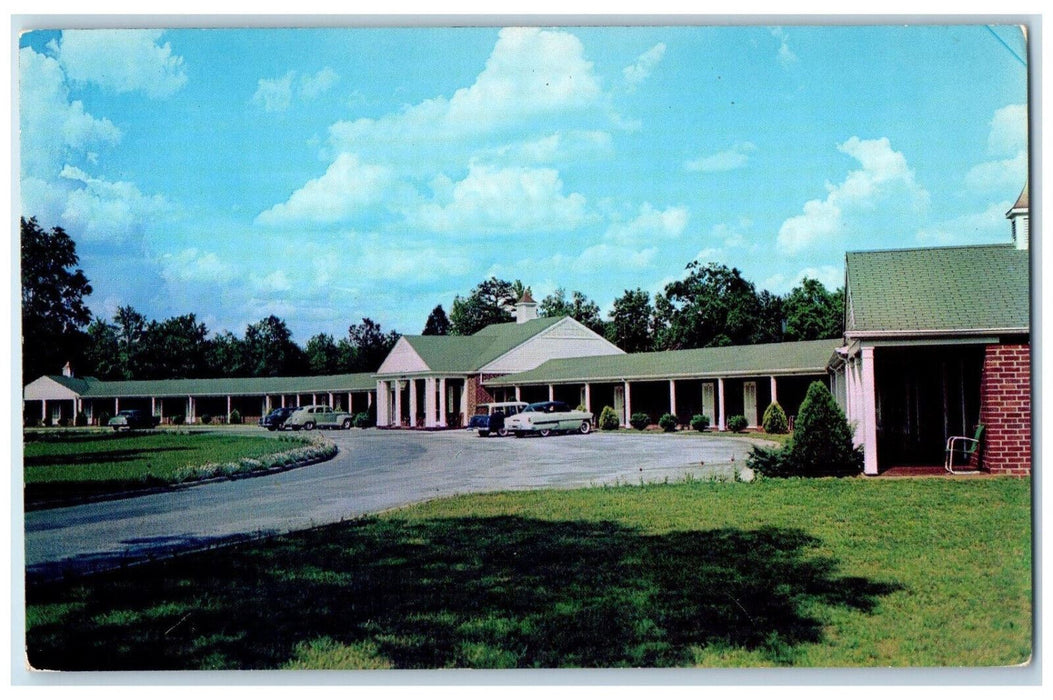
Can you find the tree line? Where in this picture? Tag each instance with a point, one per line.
(712, 305)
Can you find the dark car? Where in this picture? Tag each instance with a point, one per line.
(133, 419)
(275, 420)
(481, 421)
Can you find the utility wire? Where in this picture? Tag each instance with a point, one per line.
(1007, 46)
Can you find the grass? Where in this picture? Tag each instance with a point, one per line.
(815, 573)
(61, 464)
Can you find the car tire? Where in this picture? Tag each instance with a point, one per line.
(484, 433)
(308, 426)
(519, 433)
(502, 432)
(544, 432)
(585, 428)
(271, 428)
(346, 425)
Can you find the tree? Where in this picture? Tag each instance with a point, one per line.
(579, 307)
(712, 306)
(323, 355)
(492, 301)
(812, 312)
(822, 442)
(227, 356)
(270, 350)
(176, 348)
(437, 323)
(53, 308)
(100, 356)
(631, 325)
(130, 327)
(770, 320)
(366, 346)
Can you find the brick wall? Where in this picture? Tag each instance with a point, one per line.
(477, 393)
(1005, 409)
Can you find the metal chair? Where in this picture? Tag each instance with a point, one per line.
(968, 448)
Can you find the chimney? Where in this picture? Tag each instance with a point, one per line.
(1020, 219)
(67, 371)
(526, 308)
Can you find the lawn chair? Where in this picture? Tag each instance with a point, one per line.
(968, 448)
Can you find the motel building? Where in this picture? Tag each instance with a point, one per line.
(936, 343)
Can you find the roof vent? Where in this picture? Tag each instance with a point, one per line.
(67, 371)
(526, 308)
(1020, 219)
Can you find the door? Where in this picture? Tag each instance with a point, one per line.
(709, 402)
(749, 402)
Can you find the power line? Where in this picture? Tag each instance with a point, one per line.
(1007, 46)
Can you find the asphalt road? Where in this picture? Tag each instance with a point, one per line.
(374, 471)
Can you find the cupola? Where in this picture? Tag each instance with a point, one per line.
(526, 308)
(1020, 219)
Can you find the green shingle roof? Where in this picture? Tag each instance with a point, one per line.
(808, 357)
(943, 290)
(89, 387)
(466, 354)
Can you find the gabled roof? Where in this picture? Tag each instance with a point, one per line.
(805, 357)
(89, 387)
(467, 354)
(939, 291)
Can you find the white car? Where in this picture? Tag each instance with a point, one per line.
(311, 417)
(548, 417)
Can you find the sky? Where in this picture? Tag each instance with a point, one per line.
(327, 175)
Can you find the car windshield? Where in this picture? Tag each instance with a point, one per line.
(535, 408)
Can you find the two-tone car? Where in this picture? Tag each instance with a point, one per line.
(481, 421)
(275, 420)
(318, 416)
(133, 419)
(547, 417)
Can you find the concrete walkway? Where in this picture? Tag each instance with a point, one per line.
(374, 471)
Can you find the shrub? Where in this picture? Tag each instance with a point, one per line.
(81, 420)
(206, 418)
(104, 418)
(774, 419)
(178, 420)
(63, 422)
(737, 424)
(699, 422)
(822, 440)
(235, 417)
(362, 420)
(609, 419)
(772, 462)
(668, 422)
(639, 420)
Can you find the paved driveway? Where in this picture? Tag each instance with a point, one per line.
(374, 471)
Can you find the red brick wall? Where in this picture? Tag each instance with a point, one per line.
(477, 393)
(1005, 409)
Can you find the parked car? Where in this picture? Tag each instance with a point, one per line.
(311, 417)
(481, 420)
(547, 417)
(275, 420)
(133, 419)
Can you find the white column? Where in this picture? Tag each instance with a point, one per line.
(588, 398)
(369, 399)
(116, 405)
(519, 397)
(44, 412)
(349, 405)
(413, 403)
(441, 422)
(628, 405)
(228, 410)
(672, 396)
(551, 393)
(870, 457)
(193, 409)
(283, 400)
(382, 403)
(331, 404)
(720, 403)
(774, 393)
(398, 403)
(429, 402)
(153, 406)
(464, 403)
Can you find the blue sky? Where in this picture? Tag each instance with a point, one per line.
(326, 175)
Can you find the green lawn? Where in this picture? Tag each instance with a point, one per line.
(817, 573)
(61, 464)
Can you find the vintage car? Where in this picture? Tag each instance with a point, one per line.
(133, 419)
(481, 420)
(319, 416)
(275, 420)
(549, 417)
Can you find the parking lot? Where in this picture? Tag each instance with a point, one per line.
(375, 470)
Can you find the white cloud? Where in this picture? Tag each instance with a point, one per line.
(274, 95)
(732, 159)
(113, 211)
(644, 65)
(831, 276)
(1008, 130)
(604, 256)
(1007, 140)
(982, 227)
(786, 57)
(884, 178)
(650, 224)
(53, 129)
(347, 186)
(195, 267)
(121, 60)
(312, 86)
(512, 199)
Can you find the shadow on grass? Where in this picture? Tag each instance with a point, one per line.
(103, 457)
(468, 592)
